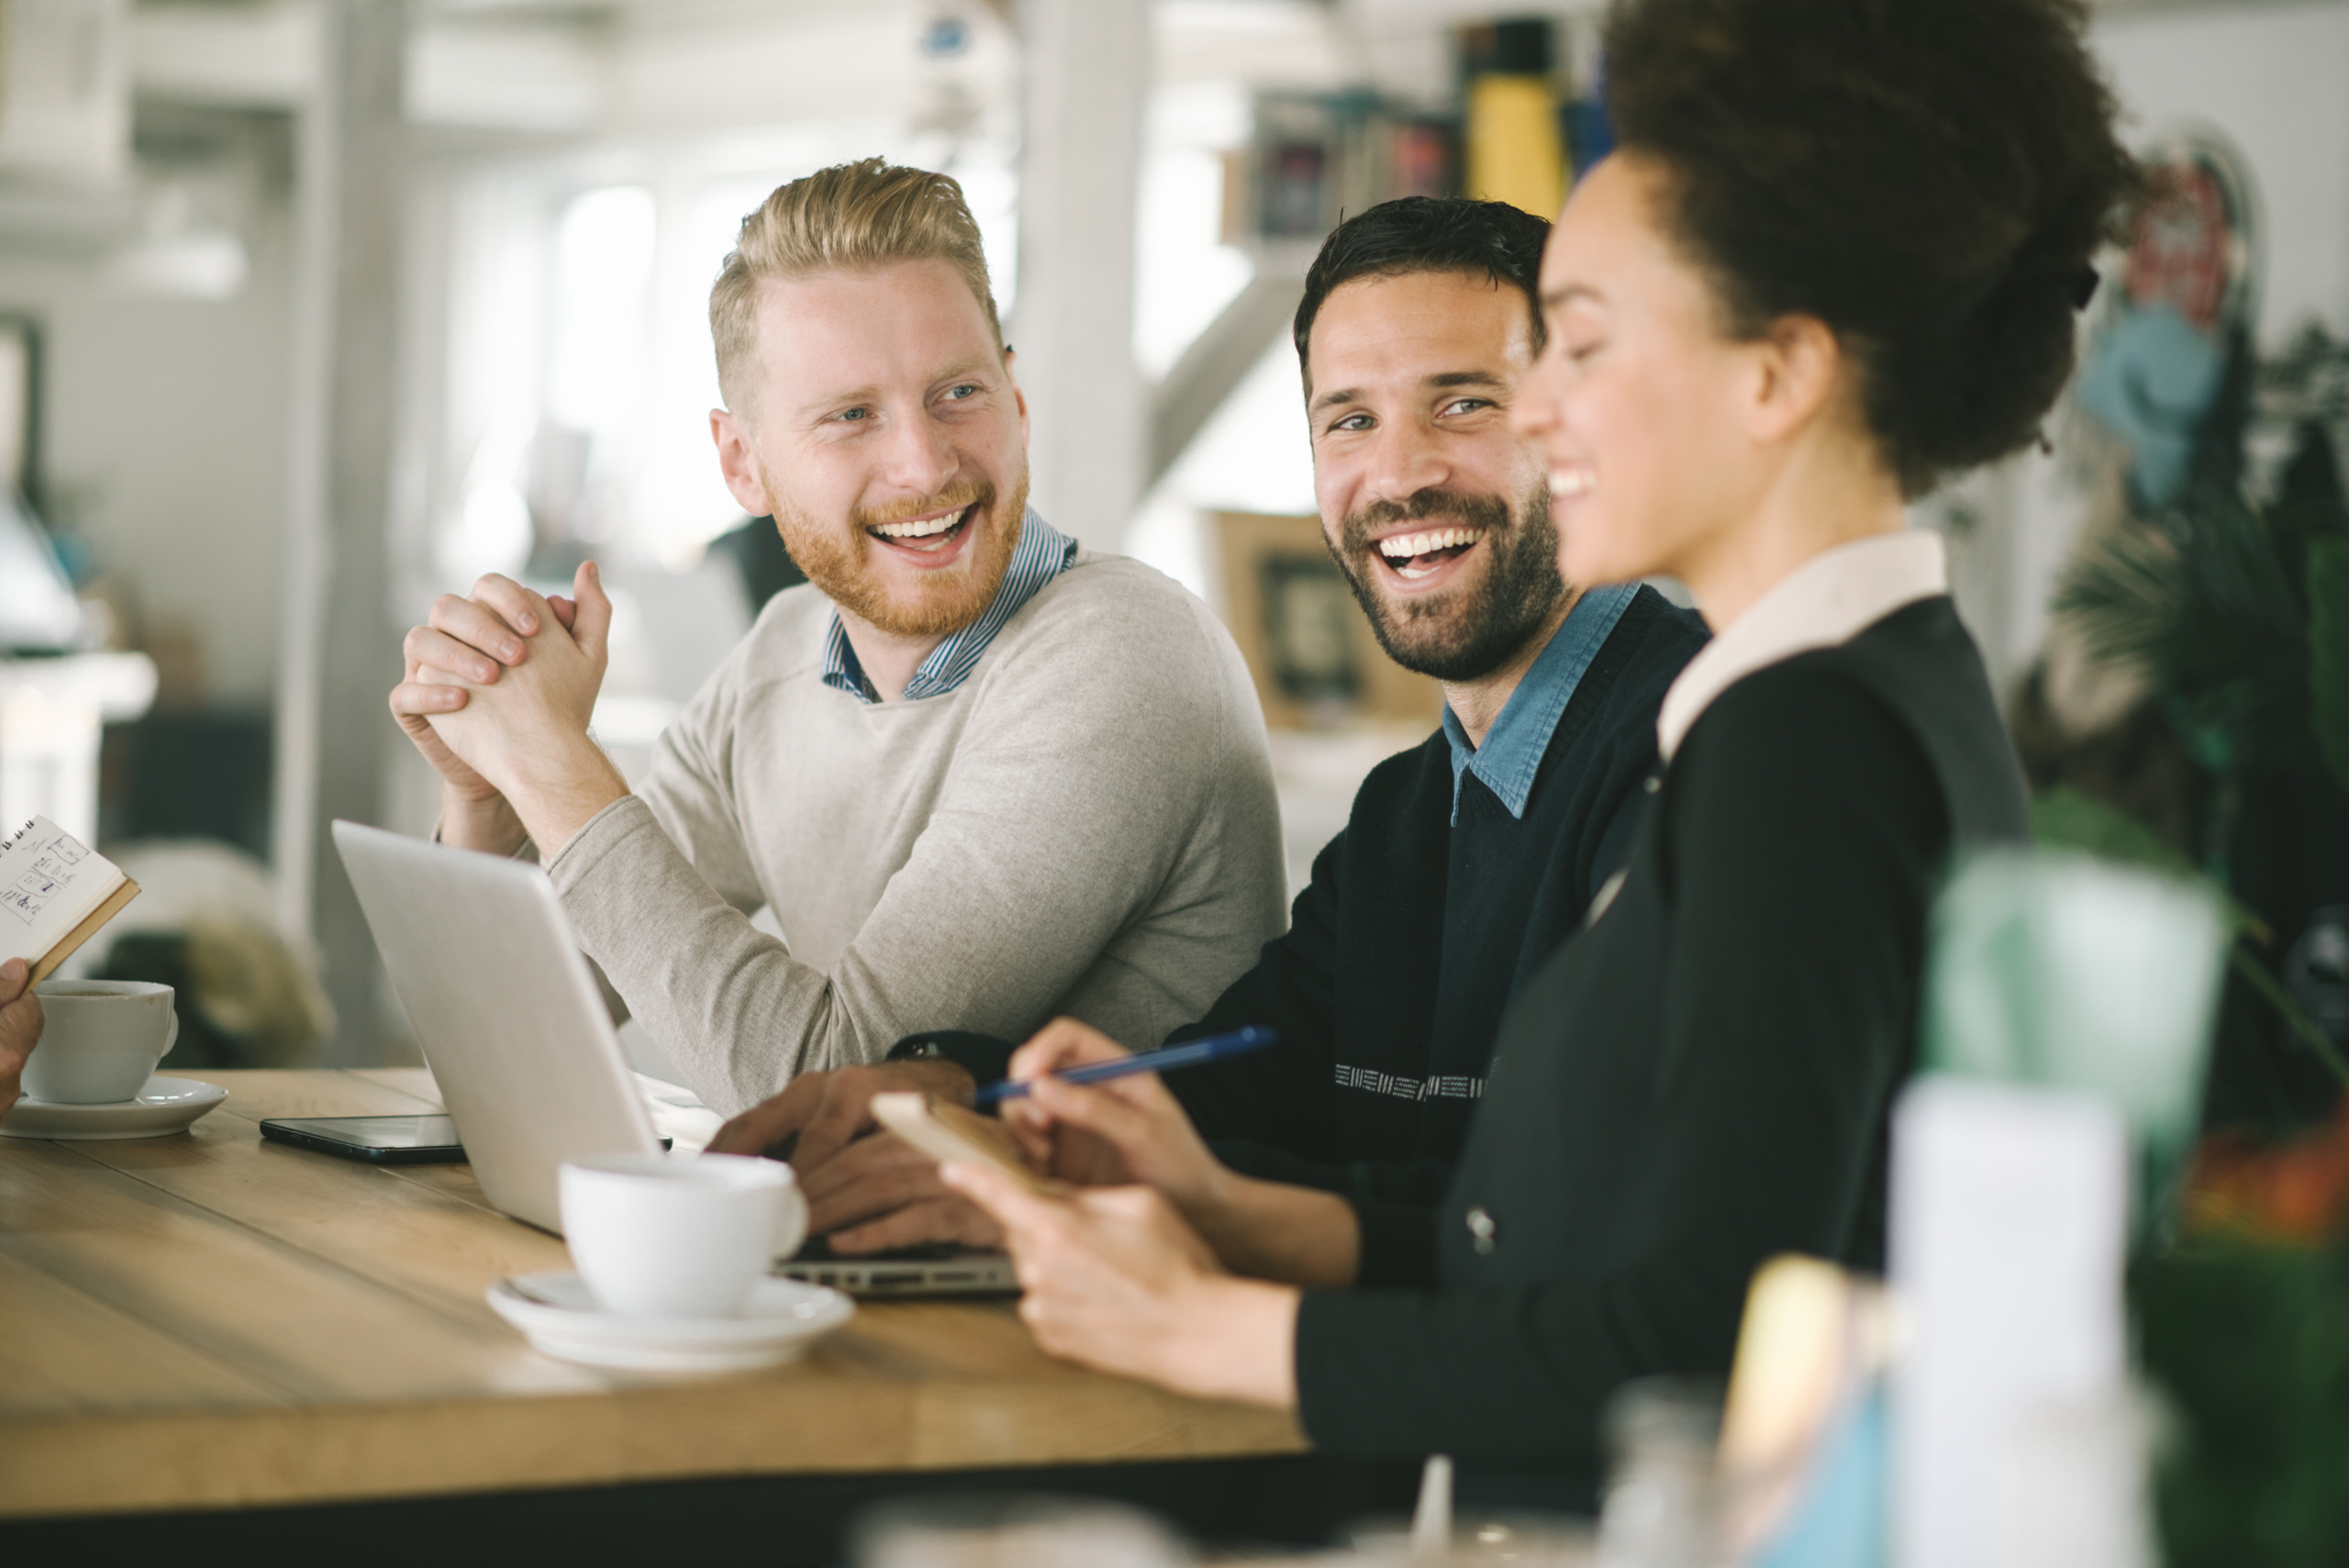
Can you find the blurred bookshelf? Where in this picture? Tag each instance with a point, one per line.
(1318, 159)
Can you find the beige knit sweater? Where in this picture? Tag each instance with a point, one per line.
(1086, 826)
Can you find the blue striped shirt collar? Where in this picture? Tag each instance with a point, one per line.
(1041, 555)
(1511, 755)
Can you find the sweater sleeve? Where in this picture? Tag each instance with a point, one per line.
(1798, 839)
(1112, 774)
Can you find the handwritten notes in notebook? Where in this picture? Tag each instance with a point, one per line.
(55, 894)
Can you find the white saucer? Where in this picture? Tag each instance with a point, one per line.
(165, 1105)
(559, 1316)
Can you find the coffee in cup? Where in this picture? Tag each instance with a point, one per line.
(99, 1040)
(679, 1235)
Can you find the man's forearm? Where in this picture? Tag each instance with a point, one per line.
(549, 809)
(737, 1014)
(556, 801)
(489, 827)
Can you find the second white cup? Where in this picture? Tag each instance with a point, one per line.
(678, 1234)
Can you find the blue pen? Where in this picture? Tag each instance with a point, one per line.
(1165, 1059)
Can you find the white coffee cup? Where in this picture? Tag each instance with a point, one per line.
(99, 1039)
(679, 1235)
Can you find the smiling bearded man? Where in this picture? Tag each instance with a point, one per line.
(980, 776)
(931, 526)
(1467, 860)
(1468, 634)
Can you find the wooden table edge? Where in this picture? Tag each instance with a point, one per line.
(200, 1461)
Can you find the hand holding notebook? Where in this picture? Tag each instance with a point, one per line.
(55, 893)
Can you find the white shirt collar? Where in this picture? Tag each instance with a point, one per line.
(1826, 601)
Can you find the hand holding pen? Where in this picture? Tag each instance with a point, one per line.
(1165, 1059)
(1129, 1129)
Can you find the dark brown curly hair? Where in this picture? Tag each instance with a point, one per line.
(1929, 178)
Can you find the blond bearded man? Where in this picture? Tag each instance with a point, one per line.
(980, 775)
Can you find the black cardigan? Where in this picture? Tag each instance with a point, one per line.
(1699, 1082)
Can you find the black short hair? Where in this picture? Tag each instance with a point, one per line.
(1428, 234)
(1929, 178)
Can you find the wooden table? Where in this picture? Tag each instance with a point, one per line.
(208, 1321)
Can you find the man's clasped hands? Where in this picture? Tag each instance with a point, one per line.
(498, 692)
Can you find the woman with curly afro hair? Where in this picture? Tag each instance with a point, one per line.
(1836, 259)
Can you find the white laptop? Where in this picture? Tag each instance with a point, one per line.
(515, 1030)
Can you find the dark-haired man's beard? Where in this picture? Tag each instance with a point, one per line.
(1476, 625)
(839, 560)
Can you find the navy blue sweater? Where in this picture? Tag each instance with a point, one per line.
(1415, 933)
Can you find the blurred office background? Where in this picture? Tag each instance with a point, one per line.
(311, 309)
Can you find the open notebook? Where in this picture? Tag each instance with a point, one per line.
(55, 892)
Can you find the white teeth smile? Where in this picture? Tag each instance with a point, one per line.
(1402, 549)
(1571, 481)
(1403, 546)
(922, 529)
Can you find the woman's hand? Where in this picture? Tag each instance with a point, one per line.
(1132, 1129)
(1127, 1130)
(20, 1025)
(1114, 1278)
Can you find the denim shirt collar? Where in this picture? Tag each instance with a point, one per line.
(1511, 755)
(1041, 555)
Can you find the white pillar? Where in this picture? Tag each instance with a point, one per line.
(339, 655)
(51, 711)
(1087, 81)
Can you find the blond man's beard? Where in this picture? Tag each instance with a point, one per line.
(945, 601)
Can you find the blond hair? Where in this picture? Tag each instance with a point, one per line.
(854, 218)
